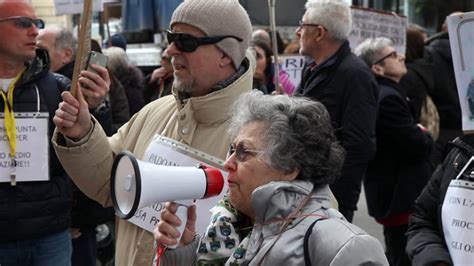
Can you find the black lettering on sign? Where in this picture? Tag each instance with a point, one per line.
(154, 220)
(140, 214)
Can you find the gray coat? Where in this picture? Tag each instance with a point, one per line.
(333, 241)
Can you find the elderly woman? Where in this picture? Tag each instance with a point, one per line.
(277, 210)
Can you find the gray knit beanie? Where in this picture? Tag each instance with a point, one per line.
(218, 17)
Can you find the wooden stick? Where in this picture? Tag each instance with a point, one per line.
(84, 44)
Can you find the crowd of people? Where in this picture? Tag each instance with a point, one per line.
(364, 115)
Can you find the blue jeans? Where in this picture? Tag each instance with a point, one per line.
(50, 250)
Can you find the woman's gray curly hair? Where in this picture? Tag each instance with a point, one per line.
(298, 134)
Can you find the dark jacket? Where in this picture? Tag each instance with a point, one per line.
(444, 92)
(132, 82)
(426, 244)
(401, 167)
(348, 90)
(36, 209)
(417, 82)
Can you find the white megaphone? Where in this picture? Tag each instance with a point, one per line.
(135, 184)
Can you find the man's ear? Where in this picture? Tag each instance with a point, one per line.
(68, 55)
(224, 60)
(378, 70)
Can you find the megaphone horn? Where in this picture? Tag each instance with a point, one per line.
(136, 184)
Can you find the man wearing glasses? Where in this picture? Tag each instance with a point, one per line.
(35, 191)
(344, 84)
(401, 167)
(207, 40)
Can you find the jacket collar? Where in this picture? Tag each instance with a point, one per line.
(277, 200)
(36, 68)
(317, 74)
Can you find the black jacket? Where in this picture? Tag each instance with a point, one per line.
(401, 167)
(348, 90)
(426, 244)
(444, 93)
(35, 209)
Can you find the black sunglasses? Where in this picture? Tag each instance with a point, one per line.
(393, 54)
(25, 22)
(242, 154)
(188, 43)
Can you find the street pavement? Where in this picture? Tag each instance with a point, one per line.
(364, 221)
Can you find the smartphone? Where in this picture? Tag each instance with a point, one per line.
(96, 58)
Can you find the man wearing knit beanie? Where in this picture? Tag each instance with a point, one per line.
(207, 40)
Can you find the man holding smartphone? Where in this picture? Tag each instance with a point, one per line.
(35, 191)
(208, 40)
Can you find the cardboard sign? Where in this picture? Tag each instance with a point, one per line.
(165, 151)
(293, 65)
(368, 23)
(461, 37)
(32, 152)
(66, 7)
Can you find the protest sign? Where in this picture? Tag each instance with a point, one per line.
(293, 65)
(66, 7)
(461, 37)
(369, 23)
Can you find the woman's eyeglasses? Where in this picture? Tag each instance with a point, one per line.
(242, 154)
(393, 54)
(188, 43)
(25, 22)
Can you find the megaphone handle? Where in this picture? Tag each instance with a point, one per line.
(182, 213)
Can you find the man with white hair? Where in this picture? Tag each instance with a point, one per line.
(61, 46)
(344, 84)
(207, 40)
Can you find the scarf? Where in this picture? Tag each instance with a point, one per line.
(226, 237)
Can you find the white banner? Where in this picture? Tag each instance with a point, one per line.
(461, 37)
(165, 151)
(368, 23)
(32, 148)
(66, 7)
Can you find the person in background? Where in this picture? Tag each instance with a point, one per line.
(444, 92)
(283, 157)
(401, 167)
(159, 83)
(34, 215)
(345, 85)
(263, 79)
(208, 78)
(131, 77)
(419, 80)
(440, 230)
(86, 214)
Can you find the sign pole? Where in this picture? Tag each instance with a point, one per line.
(84, 44)
(276, 78)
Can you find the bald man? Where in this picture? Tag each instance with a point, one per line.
(35, 191)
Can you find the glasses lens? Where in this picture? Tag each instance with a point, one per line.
(39, 23)
(186, 43)
(23, 22)
(170, 37)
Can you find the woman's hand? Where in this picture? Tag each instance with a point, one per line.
(166, 232)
